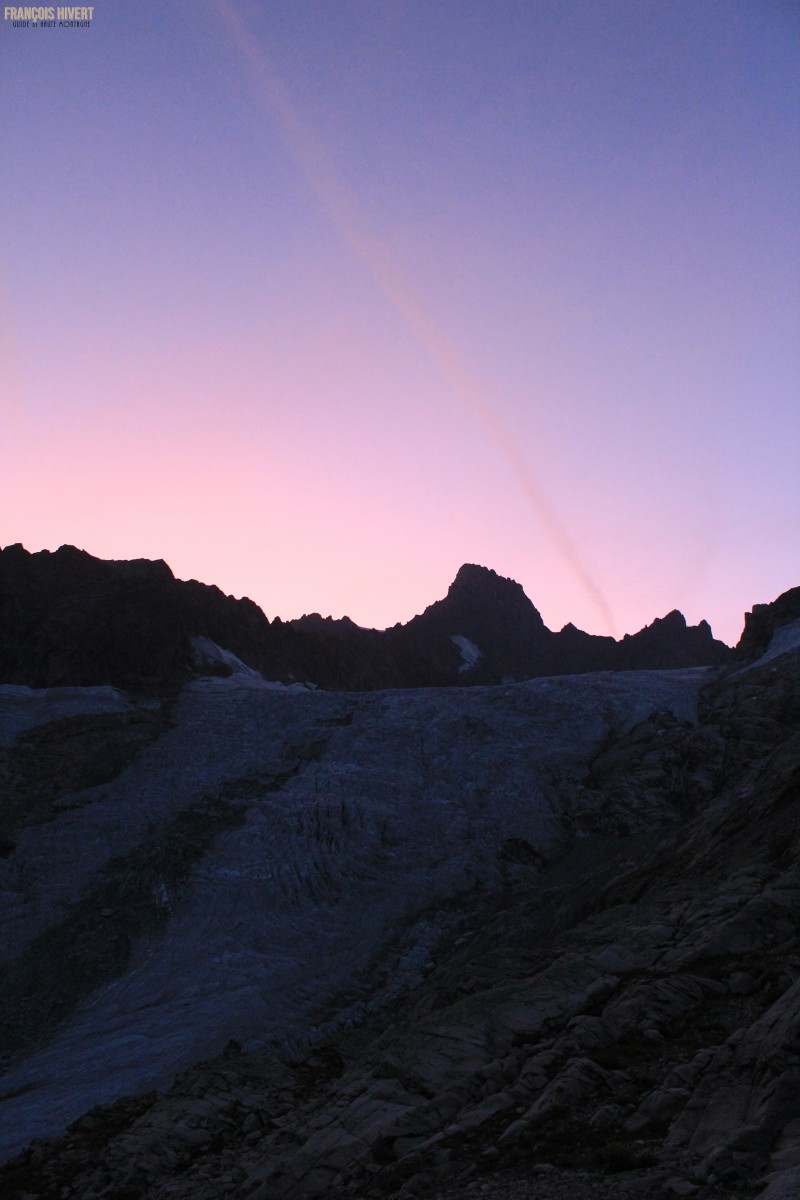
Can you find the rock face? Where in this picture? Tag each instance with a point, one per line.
(761, 623)
(67, 619)
(539, 939)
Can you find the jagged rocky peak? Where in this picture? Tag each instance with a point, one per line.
(142, 568)
(673, 622)
(674, 618)
(670, 641)
(317, 623)
(472, 575)
(70, 563)
(480, 594)
(482, 582)
(488, 618)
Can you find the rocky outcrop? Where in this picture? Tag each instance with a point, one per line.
(764, 620)
(669, 642)
(551, 936)
(69, 619)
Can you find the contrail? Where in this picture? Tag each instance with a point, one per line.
(341, 205)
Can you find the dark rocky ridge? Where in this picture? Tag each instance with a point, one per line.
(67, 618)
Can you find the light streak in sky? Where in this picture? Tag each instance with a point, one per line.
(342, 206)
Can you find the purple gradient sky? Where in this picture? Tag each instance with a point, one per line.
(318, 300)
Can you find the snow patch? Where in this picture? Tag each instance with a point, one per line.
(209, 653)
(469, 651)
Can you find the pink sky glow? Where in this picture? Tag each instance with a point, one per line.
(317, 302)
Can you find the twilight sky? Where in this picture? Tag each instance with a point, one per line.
(318, 299)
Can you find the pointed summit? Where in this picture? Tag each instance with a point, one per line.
(494, 615)
(475, 585)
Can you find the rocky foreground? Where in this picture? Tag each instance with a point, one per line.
(537, 940)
